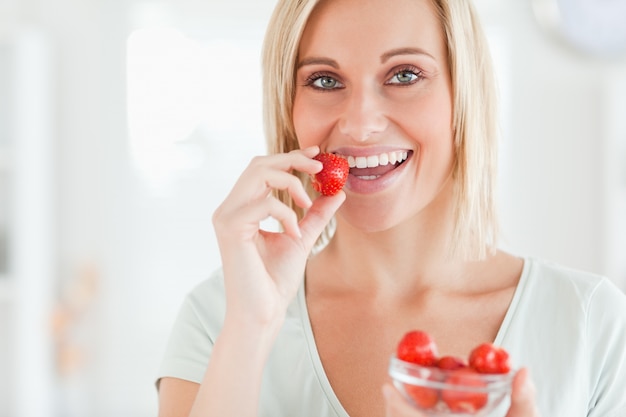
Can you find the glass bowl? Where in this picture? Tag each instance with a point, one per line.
(450, 393)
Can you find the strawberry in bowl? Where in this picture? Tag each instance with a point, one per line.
(448, 386)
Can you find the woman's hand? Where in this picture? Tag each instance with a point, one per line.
(264, 269)
(262, 272)
(523, 396)
(522, 399)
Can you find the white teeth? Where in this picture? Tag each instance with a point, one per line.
(361, 162)
(373, 161)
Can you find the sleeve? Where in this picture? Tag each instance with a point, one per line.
(606, 332)
(190, 342)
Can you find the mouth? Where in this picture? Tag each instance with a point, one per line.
(372, 167)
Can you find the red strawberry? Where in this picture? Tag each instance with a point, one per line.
(418, 347)
(423, 397)
(464, 400)
(487, 358)
(450, 363)
(333, 175)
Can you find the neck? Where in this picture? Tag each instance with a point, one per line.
(411, 255)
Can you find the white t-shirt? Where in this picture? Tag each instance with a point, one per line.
(566, 326)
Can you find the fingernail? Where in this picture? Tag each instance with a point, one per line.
(312, 148)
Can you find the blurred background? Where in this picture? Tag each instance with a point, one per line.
(124, 123)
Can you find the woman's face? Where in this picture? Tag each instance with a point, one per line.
(373, 84)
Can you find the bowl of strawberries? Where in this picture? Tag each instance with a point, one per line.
(447, 386)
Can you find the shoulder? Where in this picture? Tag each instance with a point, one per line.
(551, 279)
(206, 303)
(211, 288)
(560, 274)
(582, 317)
(566, 295)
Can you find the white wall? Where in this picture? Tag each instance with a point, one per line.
(143, 237)
(561, 180)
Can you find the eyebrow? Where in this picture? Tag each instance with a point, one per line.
(318, 61)
(403, 51)
(383, 58)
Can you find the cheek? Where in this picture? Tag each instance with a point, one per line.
(302, 122)
(439, 146)
(440, 116)
(312, 123)
(444, 135)
(430, 126)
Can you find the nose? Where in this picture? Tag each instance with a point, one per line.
(362, 115)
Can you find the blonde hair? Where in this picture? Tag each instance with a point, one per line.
(474, 113)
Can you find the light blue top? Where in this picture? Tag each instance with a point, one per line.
(568, 327)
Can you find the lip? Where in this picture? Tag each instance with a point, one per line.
(361, 151)
(361, 186)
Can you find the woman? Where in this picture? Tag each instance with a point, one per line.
(291, 328)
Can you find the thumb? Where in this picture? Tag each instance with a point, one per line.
(523, 396)
(318, 216)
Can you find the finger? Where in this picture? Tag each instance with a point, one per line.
(299, 159)
(396, 405)
(309, 152)
(280, 180)
(318, 216)
(244, 223)
(272, 207)
(266, 172)
(523, 396)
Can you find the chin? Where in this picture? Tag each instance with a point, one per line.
(371, 218)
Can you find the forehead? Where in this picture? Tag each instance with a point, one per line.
(373, 25)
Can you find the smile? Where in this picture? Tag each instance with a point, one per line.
(373, 161)
(373, 167)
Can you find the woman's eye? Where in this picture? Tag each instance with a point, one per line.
(404, 77)
(325, 82)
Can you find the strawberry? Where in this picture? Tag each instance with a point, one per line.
(450, 363)
(424, 397)
(333, 175)
(465, 400)
(417, 347)
(487, 358)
